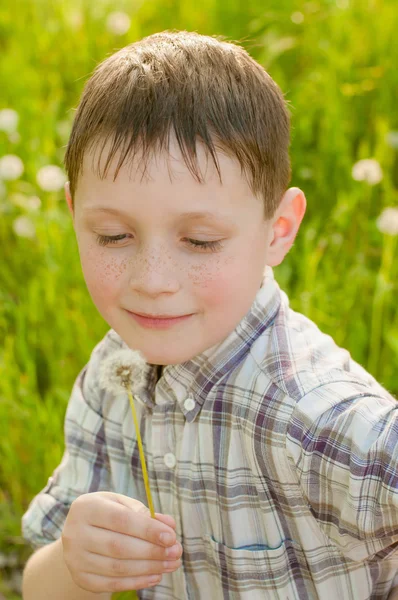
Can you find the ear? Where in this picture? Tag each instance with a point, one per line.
(68, 198)
(285, 225)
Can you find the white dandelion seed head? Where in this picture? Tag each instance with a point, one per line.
(51, 178)
(121, 369)
(24, 227)
(305, 172)
(9, 119)
(392, 139)
(118, 23)
(387, 222)
(14, 137)
(75, 19)
(337, 239)
(297, 17)
(33, 203)
(368, 170)
(11, 167)
(29, 203)
(63, 129)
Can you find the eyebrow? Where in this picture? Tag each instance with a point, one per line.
(206, 214)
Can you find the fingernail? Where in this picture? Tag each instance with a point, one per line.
(166, 538)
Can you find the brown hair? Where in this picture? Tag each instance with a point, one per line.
(201, 87)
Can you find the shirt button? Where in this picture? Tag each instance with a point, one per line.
(189, 404)
(170, 460)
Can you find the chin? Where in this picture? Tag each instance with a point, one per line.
(158, 358)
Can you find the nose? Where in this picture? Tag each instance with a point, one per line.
(153, 273)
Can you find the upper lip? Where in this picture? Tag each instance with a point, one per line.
(157, 316)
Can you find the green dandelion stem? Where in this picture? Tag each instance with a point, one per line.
(142, 457)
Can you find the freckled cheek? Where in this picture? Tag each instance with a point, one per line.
(214, 282)
(102, 272)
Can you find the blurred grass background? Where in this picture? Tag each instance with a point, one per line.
(336, 63)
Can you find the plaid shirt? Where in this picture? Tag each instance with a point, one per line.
(275, 452)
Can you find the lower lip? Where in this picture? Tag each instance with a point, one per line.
(157, 323)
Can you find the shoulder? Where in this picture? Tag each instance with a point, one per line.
(294, 370)
(298, 357)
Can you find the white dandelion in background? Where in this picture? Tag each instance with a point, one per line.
(9, 119)
(24, 227)
(33, 203)
(75, 19)
(297, 17)
(63, 129)
(51, 178)
(305, 172)
(14, 137)
(11, 167)
(387, 222)
(29, 203)
(337, 239)
(123, 371)
(392, 139)
(368, 170)
(118, 23)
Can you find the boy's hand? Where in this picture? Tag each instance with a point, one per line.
(111, 543)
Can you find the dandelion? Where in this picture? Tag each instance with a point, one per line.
(75, 19)
(368, 170)
(123, 371)
(11, 167)
(30, 203)
(51, 178)
(63, 128)
(392, 139)
(297, 17)
(8, 120)
(118, 23)
(24, 227)
(14, 137)
(387, 222)
(305, 173)
(337, 239)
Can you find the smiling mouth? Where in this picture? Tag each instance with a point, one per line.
(157, 322)
(146, 316)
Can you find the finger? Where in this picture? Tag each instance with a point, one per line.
(98, 583)
(167, 519)
(114, 567)
(121, 519)
(118, 545)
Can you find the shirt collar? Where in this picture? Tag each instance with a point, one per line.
(194, 379)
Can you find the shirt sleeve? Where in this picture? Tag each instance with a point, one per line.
(84, 466)
(342, 441)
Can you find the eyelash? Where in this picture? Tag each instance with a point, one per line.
(103, 240)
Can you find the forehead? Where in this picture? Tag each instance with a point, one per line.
(162, 188)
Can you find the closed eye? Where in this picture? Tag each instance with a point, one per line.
(213, 246)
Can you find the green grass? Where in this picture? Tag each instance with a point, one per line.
(337, 68)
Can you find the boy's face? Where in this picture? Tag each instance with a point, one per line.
(155, 268)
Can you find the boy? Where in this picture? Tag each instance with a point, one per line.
(271, 453)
